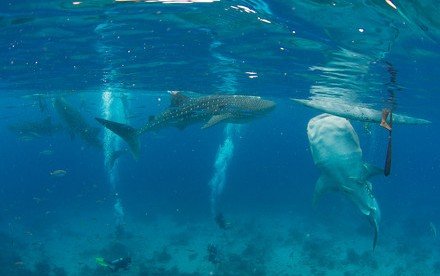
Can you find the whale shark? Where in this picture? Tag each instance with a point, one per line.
(336, 152)
(35, 128)
(356, 112)
(185, 111)
(77, 125)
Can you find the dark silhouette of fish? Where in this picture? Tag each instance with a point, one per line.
(186, 110)
(38, 128)
(77, 125)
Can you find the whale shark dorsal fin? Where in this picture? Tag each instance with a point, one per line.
(370, 170)
(324, 184)
(177, 99)
(217, 119)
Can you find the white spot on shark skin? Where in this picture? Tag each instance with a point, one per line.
(336, 151)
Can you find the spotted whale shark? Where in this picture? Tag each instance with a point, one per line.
(355, 112)
(336, 152)
(184, 111)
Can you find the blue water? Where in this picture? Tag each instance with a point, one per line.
(364, 53)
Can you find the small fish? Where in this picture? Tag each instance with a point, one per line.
(26, 138)
(37, 244)
(58, 173)
(46, 152)
(37, 199)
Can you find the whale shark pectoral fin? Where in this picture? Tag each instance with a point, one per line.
(217, 119)
(370, 170)
(301, 101)
(323, 184)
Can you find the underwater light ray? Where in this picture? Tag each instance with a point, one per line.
(223, 158)
(113, 108)
(226, 68)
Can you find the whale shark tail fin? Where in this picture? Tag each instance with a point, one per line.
(129, 134)
(375, 225)
(374, 218)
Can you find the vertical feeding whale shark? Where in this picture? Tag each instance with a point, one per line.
(184, 111)
(77, 125)
(336, 152)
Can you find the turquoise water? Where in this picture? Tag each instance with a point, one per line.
(231, 199)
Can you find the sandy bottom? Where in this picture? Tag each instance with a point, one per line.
(254, 244)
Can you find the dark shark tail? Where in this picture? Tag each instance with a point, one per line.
(129, 134)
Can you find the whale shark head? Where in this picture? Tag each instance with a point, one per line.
(333, 140)
(336, 152)
(253, 104)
